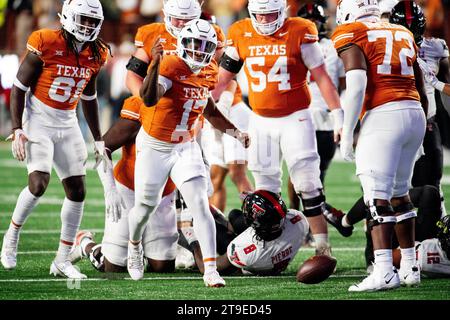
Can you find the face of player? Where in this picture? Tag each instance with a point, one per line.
(199, 50)
(266, 18)
(178, 23)
(86, 25)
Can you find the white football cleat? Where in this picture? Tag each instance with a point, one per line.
(409, 276)
(184, 259)
(213, 280)
(76, 254)
(377, 281)
(66, 270)
(9, 253)
(135, 261)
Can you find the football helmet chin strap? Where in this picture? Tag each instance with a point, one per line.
(380, 214)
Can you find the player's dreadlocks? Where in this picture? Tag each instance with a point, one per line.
(96, 46)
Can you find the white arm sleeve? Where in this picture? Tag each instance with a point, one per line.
(312, 55)
(107, 178)
(166, 83)
(225, 103)
(232, 53)
(356, 81)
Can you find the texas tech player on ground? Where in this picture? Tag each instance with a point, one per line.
(175, 92)
(265, 236)
(382, 75)
(59, 69)
(160, 236)
(276, 54)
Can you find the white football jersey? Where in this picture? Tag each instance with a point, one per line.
(432, 260)
(432, 50)
(335, 68)
(268, 257)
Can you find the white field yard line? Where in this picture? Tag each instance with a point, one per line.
(12, 163)
(48, 231)
(196, 278)
(55, 214)
(343, 249)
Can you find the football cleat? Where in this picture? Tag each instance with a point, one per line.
(76, 254)
(66, 270)
(377, 281)
(409, 277)
(213, 280)
(184, 259)
(9, 253)
(135, 261)
(334, 217)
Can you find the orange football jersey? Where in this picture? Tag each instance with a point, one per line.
(274, 66)
(124, 169)
(62, 79)
(171, 119)
(390, 52)
(146, 36)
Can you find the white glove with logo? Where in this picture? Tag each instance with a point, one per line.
(101, 156)
(19, 138)
(429, 75)
(347, 146)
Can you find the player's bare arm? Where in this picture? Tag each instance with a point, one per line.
(217, 119)
(444, 75)
(420, 85)
(28, 72)
(122, 132)
(136, 71)
(151, 91)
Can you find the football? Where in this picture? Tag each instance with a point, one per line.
(316, 269)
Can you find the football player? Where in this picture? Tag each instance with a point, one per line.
(160, 235)
(59, 69)
(323, 122)
(267, 236)
(175, 92)
(276, 53)
(385, 89)
(434, 60)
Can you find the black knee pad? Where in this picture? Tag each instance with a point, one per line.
(380, 214)
(313, 207)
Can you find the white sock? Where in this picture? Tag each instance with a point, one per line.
(194, 194)
(71, 214)
(137, 220)
(345, 223)
(321, 239)
(26, 202)
(383, 259)
(408, 258)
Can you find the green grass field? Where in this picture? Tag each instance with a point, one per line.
(39, 241)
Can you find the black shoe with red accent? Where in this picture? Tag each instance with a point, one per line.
(334, 217)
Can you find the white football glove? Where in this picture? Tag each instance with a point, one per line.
(430, 76)
(338, 122)
(113, 204)
(101, 156)
(19, 138)
(347, 147)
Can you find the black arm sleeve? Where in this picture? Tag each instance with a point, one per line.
(137, 66)
(230, 64)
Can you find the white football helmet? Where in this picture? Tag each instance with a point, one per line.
(350, 10)
(197, 43)
(266, 7)
(180, 9)
(82, 18)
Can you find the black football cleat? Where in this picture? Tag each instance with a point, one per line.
(334, 217)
